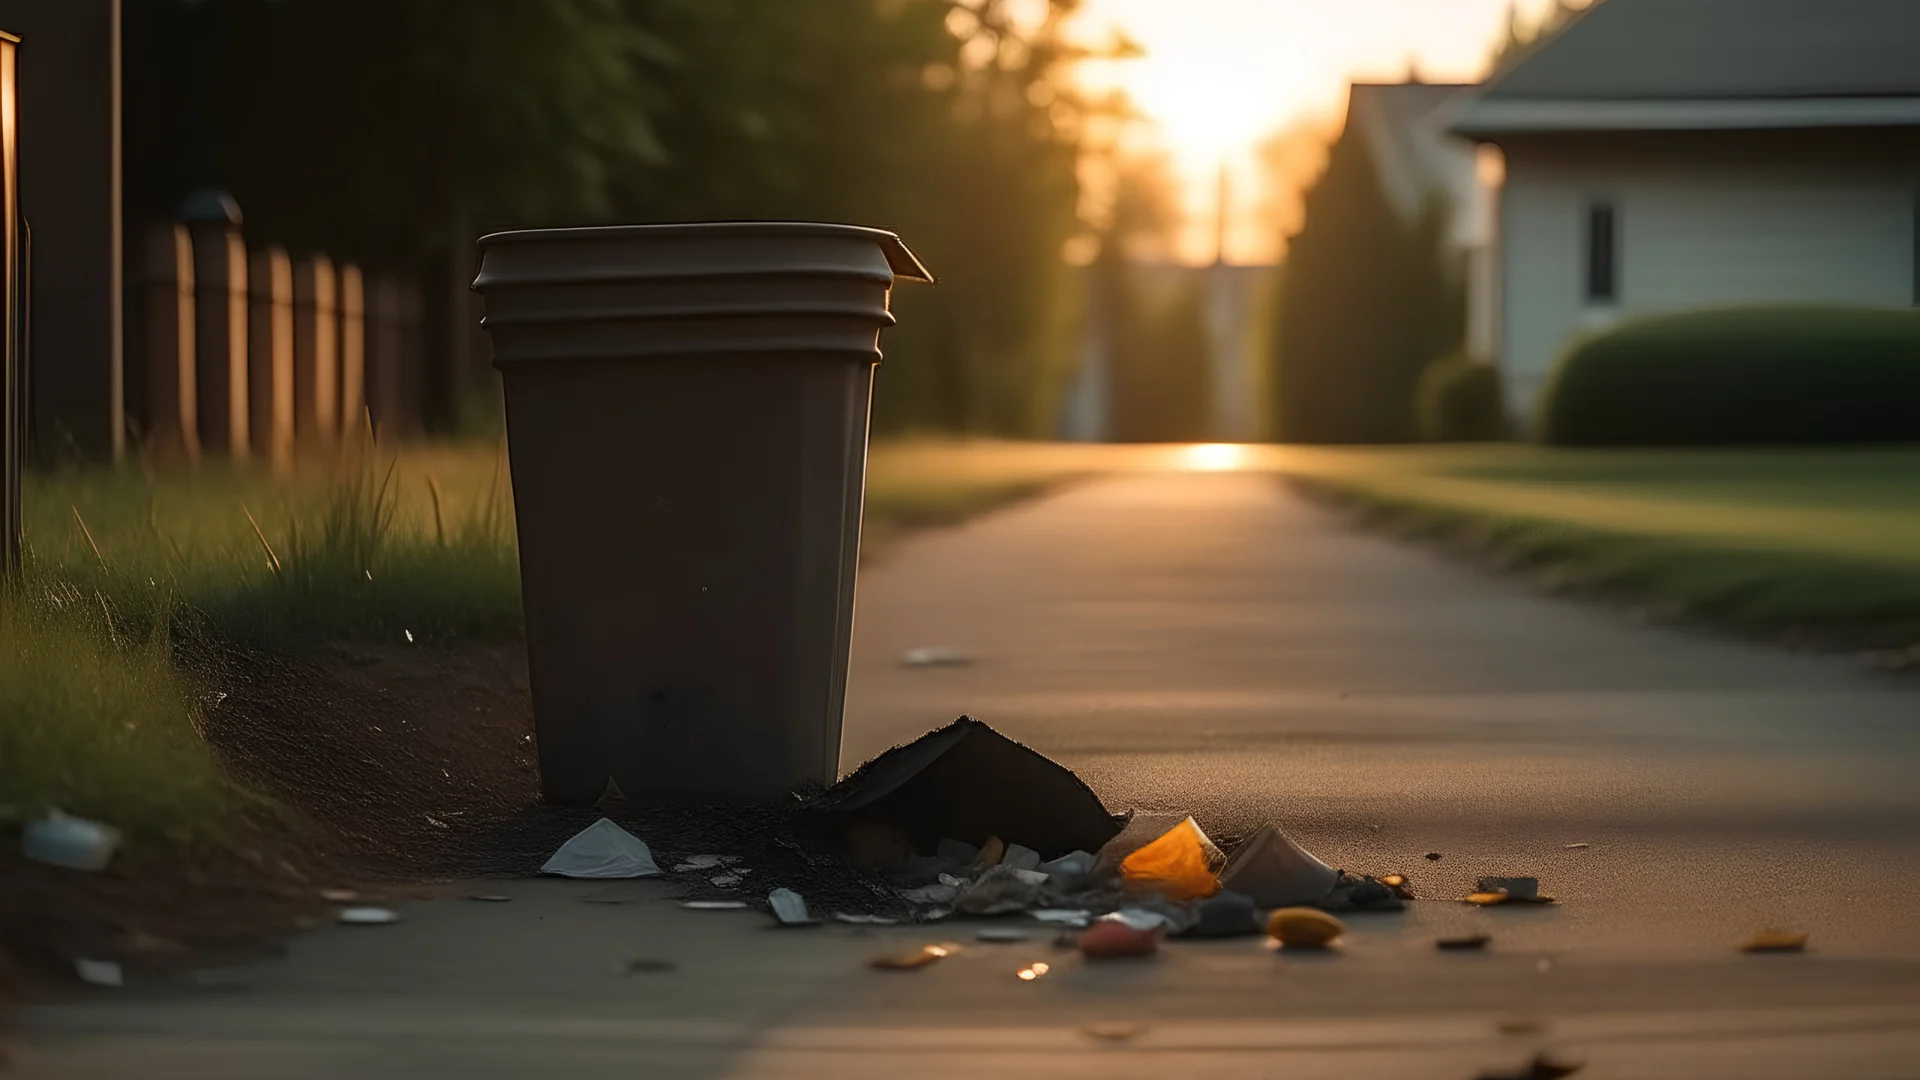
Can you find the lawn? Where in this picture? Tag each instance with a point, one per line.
(129, 571)
(1819, 541)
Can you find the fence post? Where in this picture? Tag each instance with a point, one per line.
(13, 315)
(353, 350)
(316, 356)
(270, 356)
(167, 348)
(220, 320)
(383, 353)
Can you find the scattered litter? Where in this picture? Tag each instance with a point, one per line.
(1304, 928)
(1434, 856)
(1021, 858)
(727, 881)
(991, 853)
(649, 966)
(99, 972)
(1516, 888)
(1464, 943)
(1578, 847)
(1111, 939)
(957, 851)
(1074, 917)
(1277, 872)
(1002, 890)
(967, 782)
(935, 656)
(1542, 1067)
(704, 862)
(912, 961)
(714, 905)
(1179, 865)
(73, 842)
(1776, 941)
(367, 916)
(1226, 914)
(1358, 892)
(1003, 934)
(339, 896)
(864, 920)
(1507, 890)
(1114, 1031)
(602, 850)
(1069, 869)
(1399, 885)
(789, 908)
(1135, 918)
(937, 893)
(491, 898)
(1033, 971)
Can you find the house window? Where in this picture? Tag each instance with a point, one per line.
(1603, 262)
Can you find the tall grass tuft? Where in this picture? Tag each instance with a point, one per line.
(98, 721)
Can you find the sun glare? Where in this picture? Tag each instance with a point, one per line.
(1221, 76)
(1214, 457)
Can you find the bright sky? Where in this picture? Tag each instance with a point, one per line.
(1222, 76)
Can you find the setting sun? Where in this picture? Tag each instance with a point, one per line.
(1221, 76)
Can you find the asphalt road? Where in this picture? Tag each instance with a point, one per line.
(1205, 643)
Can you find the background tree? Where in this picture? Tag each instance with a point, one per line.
(1366, 302)
(393, 132)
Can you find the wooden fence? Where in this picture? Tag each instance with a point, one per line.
(259, 354)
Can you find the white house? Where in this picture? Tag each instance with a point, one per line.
(1661, 155)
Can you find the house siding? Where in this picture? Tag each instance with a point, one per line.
(1693, 233)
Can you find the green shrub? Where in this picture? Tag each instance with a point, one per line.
(1754, 375)
(1459, 400)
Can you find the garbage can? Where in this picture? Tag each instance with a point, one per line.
(687, 413)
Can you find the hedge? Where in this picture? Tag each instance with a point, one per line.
(1766, 375)
(1459, 400)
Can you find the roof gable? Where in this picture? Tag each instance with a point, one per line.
(1625, 50)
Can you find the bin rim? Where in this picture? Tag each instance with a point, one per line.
(900, 260)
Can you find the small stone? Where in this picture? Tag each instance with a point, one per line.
(1110, 940)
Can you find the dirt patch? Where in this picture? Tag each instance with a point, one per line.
(416, 762)
(389, 770)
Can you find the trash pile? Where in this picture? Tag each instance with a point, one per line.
(967, 822)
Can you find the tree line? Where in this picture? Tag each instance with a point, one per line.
(393, 132)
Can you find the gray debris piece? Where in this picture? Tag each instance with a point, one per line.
(789, 908)
(1276, 872)
(1226, 914)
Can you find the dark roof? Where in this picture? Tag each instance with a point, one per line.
(1624, 50)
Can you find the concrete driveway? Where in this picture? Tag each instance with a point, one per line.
(1205, 642)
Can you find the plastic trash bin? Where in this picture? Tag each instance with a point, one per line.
(687, 410)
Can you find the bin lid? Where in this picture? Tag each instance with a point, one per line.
(901, 261)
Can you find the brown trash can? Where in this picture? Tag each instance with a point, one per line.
(687, 413)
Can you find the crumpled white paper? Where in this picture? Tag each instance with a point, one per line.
(602, 850)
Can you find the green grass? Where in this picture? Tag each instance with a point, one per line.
(102, 725)
(98, 717)
(1825, 540)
